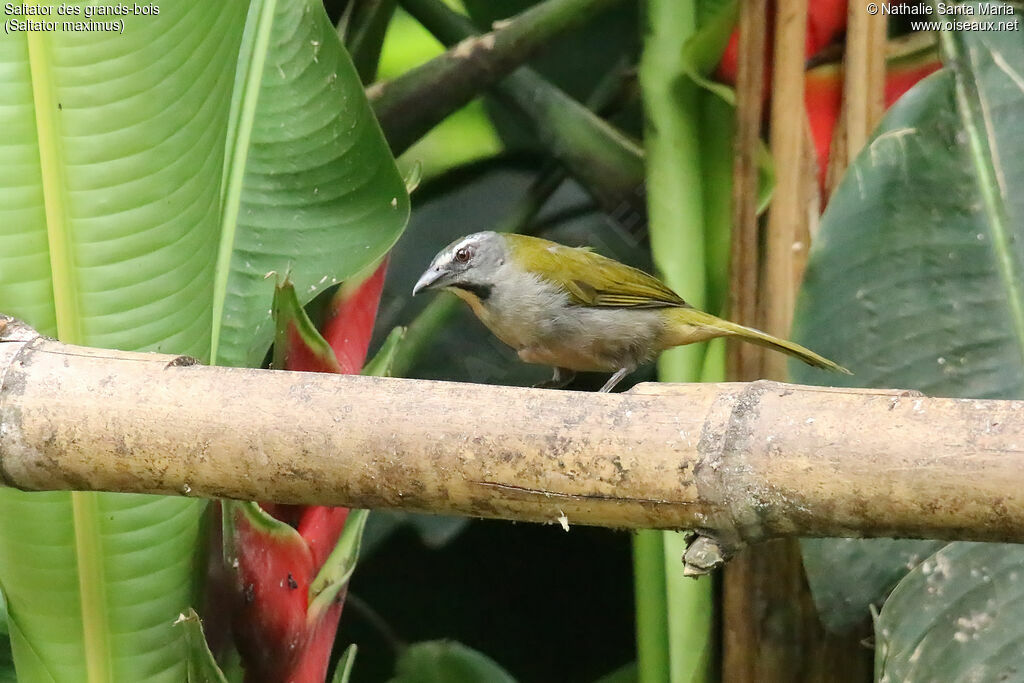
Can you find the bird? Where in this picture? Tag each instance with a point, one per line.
(573, 309)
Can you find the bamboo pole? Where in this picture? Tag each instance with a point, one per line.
(768, 621)
(863, 76)
(863, 90)
(739, 463)
(788, 212)
(744, 360)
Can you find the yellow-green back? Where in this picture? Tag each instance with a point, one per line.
(589, 278)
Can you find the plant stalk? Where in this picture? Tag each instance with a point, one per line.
(607, 163)
(413, 103)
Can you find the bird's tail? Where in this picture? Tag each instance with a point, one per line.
(696, 325)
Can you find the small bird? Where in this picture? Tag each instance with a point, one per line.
(575, 310)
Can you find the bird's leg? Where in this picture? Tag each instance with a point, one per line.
(561, 378)
(615, 379)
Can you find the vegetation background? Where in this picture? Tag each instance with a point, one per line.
(228, 175)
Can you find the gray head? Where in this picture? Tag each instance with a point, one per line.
(469, 263)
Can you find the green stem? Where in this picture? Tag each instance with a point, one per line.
(652, 656)
(676, 210)
(410, 105)
(605, 161)
(363, 33)
(422, 333)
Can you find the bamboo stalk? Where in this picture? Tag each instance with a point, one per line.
(770, 629)
(863, 76)
(863, 90)
(762, 620)
(744, 360)
(788, 210)
(738, 462)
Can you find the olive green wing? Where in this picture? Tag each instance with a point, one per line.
(594, 280)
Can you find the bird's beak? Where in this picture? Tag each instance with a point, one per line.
(428, 278)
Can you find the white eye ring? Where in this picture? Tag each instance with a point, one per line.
(463, 254)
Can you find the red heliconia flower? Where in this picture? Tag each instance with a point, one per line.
(823, 85)
(278, 636)
(349, 325)
(823, 97)
(291, 562)
(826, 19)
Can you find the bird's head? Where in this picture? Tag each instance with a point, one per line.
(469, 263)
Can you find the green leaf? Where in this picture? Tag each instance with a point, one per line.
(7, 674)
(110, 168)
(850, 575)
(445, 661)
(126, 608)
(343, 670)
(311, 188)
(956, 617)
(202, 667)
(91, 128)
(916, 278)
(380, 365)
(703, 50)
(338, 566)
(250, 511)
(115, 191)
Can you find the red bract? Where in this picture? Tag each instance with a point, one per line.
(901, 77)
(276, 566)
(823, 99)
(823, 96)
(826, 19)
(280, 552)
(823, 86)
(349, 327)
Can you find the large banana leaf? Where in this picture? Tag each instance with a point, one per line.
(311, 188)
(109, 211)
(916, 279)
(955, 617)
(115, 192)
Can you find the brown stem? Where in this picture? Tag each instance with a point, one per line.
(744, 360)
(788, 212)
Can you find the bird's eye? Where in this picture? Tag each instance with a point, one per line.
(463, 254)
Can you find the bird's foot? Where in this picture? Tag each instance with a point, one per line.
(561, 378)
(615, 379)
